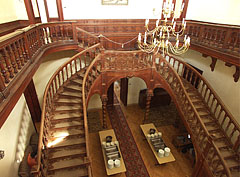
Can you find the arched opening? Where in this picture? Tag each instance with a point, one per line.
(164, 115)
(94, 114)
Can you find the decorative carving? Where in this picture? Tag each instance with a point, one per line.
(236, 74)
(213, 64)
(104, 110)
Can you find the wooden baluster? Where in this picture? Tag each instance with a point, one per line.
(229, 123)
(20, 52)
(41, 36)
(12, 59)
(226, 39)
(104, 110)
(2, 67)
(225, 116)
(237, 144)
(17, 56)
(26, 47)
(235, 41)
(8, 65)
(148, 102)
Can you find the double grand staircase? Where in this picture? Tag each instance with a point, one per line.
(63, 142)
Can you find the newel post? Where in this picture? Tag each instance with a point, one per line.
(148, 102)
(74, 31)
(104, 99)
(2, 87)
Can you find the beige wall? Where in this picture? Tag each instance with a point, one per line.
(93, 9)
(7, 13)
(12, 10)
(216, 11)
(14, 136)
(221, 79)
(49, 65)
(16, 131)
(135, 84)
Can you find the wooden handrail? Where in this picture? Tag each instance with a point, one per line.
(210, 99)
(198, 138)
(86, 32)
(58, 79)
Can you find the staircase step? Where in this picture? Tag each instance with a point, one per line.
(62, 95)
(68, 100)
(235, 173)
(73, 172)
(61, 122)
(64, 103)
(70, 150)
(71, 94)
(233, 163)
(77, 82)
(66, 115)
(68, 107)
(69, 132)
(74, 86)
(65, 111)
(67, 163)
(72, 89)
(221, 144)
(73, 128)
(64, 142)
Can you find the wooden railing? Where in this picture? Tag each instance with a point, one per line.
(199, 134)
(225, 119)
(18, 49)
(67, 70)
(217, 37)
(118, 60)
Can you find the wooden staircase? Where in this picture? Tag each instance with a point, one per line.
(66, 151)
(216, 132)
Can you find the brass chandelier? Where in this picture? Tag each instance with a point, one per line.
(164, 38)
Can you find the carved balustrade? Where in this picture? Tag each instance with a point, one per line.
(67, 70)
(200, 135)
(219, 38)
(217, 108)
(20, 48)
(118, 60)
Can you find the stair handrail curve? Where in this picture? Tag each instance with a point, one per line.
(204, 142)
(19, 49)
(66, 71)
(196, 77)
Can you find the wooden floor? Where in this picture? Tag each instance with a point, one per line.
(182, 167)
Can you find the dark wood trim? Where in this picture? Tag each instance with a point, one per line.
(9, 27)
(38, 11)
(60, 10)
(33, 102)
(183, 15)
(25, 76)
(124, 90)
(213, 64)
(46, 9)
(30, 12)
(110, 94)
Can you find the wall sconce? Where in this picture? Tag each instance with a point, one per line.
(1, 154)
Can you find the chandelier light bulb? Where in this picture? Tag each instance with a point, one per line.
(161, 37)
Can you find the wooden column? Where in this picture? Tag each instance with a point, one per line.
(183, 15)
(30, 12)
(32, 102)
(124, 90)
(110, 93)
(104, 110)
(147, 108)
(60, 10)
